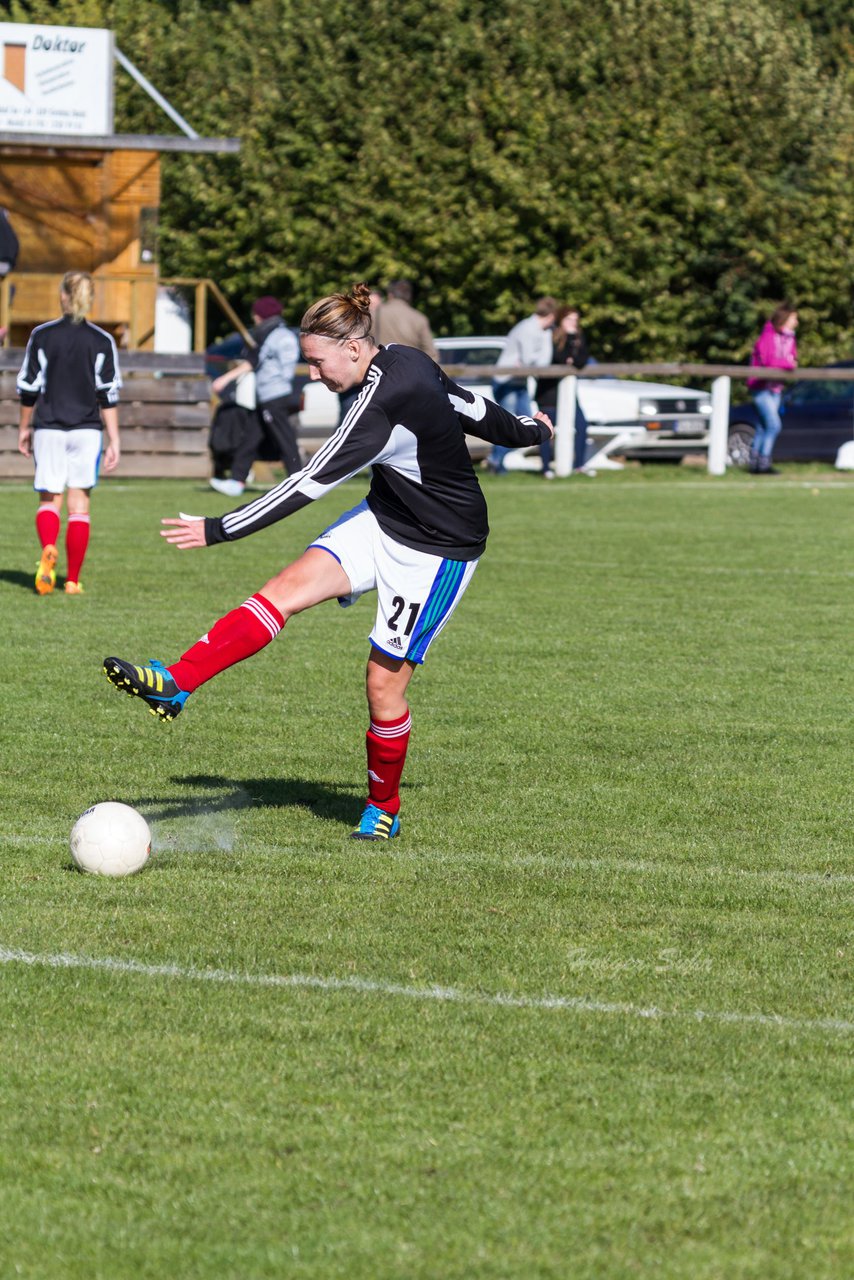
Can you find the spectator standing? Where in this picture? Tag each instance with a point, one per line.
(376, 303)
(273, 357)
(396, 320)
(569, 346)
(528, 343)
(69, 388)
(234, 419)
(775, 348)
(9, 248)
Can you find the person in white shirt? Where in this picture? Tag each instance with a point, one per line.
(528, 343)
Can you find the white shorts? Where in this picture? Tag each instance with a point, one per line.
(66, 459)
(416, 592)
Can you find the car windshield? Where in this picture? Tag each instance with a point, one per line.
(470, 355)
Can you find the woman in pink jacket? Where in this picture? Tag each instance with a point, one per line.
(775, 348)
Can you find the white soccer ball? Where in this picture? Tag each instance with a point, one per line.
(110, 839)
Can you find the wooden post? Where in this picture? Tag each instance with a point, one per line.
(133, 336)
(5, 317)
(200, 328)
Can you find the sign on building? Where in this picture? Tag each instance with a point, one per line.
(55, 79)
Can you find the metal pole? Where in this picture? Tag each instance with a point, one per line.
(153, 93)
(719, 426)
(564, 441)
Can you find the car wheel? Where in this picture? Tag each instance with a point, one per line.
(740, 444)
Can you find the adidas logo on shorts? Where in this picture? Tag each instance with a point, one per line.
(395, 643)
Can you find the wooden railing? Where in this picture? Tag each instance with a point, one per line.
(166, 407)
(29, 297)
(164, 416)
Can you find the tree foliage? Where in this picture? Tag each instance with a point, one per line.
(673, 169)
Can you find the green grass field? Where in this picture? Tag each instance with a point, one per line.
(589, 1017)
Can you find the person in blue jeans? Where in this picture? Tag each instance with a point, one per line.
(775, 348)
(569, 347)
(528, 343)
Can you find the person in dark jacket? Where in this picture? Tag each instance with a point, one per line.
(273, 354)
(9, 249)
(9, 246)
(569, 346)
(416, 538)
(69, 389)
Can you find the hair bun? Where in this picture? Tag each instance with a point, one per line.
(360, 294)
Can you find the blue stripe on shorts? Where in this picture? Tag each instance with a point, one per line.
(440, 601)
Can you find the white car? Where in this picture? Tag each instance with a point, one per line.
(320, 409)
(636, 419)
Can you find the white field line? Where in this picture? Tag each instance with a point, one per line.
(443, 995)
(766, 572)
(713, 484)
(556, 862)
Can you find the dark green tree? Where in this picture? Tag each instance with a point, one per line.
(673, 169)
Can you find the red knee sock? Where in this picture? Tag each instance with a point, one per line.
(47, 525)
(76, 542)
(236, 636)
(386, 742)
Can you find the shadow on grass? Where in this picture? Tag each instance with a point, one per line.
(17, 578)
(326, 800)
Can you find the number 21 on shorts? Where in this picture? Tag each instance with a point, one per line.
(403, 616)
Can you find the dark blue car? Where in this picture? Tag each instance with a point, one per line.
(818, 417)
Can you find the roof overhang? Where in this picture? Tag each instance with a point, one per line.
(119, 142)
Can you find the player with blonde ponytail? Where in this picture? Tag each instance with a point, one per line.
(69, 388)
(415, 540)
(76, 295)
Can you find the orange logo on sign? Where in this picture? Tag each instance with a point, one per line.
(14, 65)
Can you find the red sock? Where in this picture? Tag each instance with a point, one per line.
(386, 741)
(76, 542)
(236, 636)
(47, 525)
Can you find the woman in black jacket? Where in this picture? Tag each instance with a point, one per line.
(68, 387)
(569, 346)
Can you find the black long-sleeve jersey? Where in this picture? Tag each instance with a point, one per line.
(408, 424)
(69, 372)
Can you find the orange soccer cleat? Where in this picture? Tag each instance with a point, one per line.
(46, 571)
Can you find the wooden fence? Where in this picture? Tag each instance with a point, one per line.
(164, 416)
(166, 409)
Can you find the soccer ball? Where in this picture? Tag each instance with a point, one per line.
(110, 839)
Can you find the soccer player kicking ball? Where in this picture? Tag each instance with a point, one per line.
(415, 539)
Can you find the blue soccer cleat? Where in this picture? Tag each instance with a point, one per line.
(152, 683)
(376, 824)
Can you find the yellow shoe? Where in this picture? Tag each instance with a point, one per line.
(46, 571)
(74, 588)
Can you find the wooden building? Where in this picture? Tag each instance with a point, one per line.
(87, 203)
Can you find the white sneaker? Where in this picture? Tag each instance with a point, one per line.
(231, 488)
